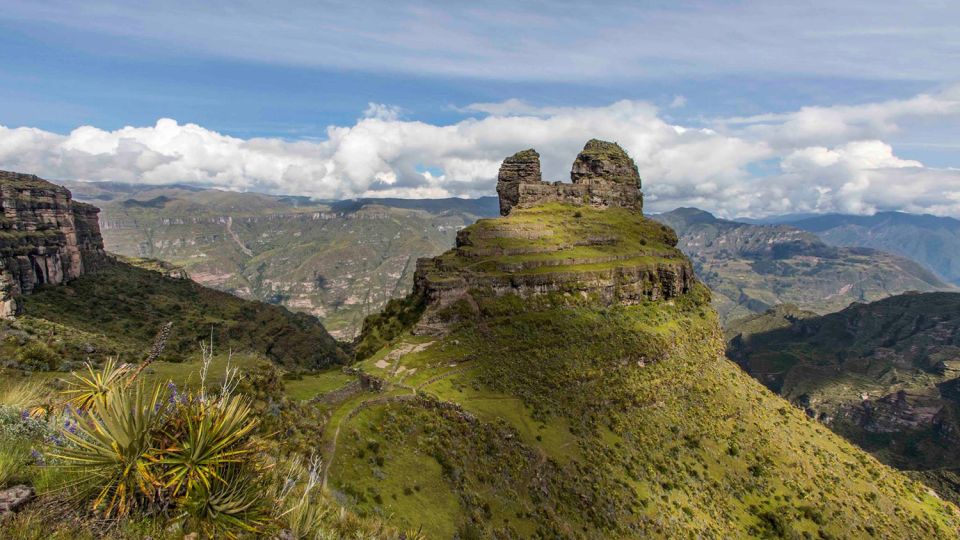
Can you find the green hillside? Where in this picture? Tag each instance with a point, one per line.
(582, 395)
(886, 375)
(337, 261)
(752, 268)
(120, 308)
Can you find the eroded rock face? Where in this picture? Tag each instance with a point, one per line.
(606, 161)
(45, 237)
(603, 176)
(520, 168)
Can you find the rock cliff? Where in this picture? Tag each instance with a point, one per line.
(603, 176)
(45, 237)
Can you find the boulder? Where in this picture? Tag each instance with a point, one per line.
(12, 499)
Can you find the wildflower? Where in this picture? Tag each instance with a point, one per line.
(37, 457)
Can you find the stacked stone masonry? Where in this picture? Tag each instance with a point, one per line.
(603, 176)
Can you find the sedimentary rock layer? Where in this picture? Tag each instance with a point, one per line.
(45, 237)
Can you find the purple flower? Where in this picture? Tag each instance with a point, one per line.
(37, 457)
(24, 414)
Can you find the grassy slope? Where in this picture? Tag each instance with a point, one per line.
(904, 343)
(545, 418)
(119, 310)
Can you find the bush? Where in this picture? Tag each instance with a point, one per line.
(39, 357)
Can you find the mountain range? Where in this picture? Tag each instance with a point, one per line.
(930, 240)
(339, 261)
(751, 268)
(343, 260)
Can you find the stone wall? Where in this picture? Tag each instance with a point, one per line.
(603, 176)
(45, 237)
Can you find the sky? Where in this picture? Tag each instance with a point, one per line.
(737, 107)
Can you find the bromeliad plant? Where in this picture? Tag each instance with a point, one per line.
(190, 455)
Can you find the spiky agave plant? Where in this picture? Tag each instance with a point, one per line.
(234, 502)
(92, 386)
(113, 447)
(210, 466)
(205, 437)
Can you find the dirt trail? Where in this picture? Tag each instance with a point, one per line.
(353, 412)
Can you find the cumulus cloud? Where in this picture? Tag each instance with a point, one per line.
(816, 159)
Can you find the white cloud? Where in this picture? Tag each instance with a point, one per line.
(815, 159)
(678, 102)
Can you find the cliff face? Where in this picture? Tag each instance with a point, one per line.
(603, 176)
(45, 237)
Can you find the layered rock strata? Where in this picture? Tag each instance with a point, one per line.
(45, 237)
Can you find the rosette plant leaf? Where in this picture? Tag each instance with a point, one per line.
(236, 501)
(112, 447)
(207, 437)
(91, 386)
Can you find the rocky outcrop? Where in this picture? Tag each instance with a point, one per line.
(600, 251)
(45, 237)
(603, 176)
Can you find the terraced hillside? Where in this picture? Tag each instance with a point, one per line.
(752, 268)
(560, 374)
(338, 261)
(885, 375)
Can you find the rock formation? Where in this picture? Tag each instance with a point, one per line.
(45, 237)
(591, 252)
(603, 176)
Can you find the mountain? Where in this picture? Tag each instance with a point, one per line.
(751, 268)
(930, 240)
(886, 375)
(560, 374)
(72, 300)
(339, 261)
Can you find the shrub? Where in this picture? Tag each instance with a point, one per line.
(38, 356)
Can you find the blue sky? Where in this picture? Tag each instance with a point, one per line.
(290, 72)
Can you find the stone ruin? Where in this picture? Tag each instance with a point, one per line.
(603, 176)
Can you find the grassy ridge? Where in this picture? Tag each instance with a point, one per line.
(543, 417)
(123, 306)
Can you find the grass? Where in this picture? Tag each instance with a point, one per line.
(125, 306)
(396, 480)
(312, 385)
(584, 419)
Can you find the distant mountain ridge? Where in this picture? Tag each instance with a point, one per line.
(752, 268)
(933, 241)
(339, 261)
